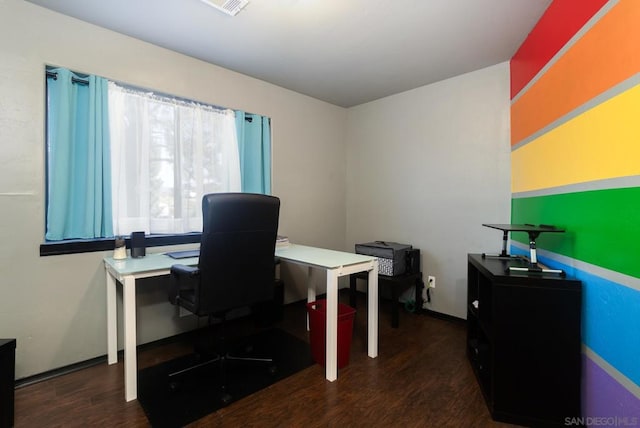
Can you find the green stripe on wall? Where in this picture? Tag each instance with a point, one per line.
(602, 226)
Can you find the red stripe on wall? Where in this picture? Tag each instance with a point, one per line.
(559, 23)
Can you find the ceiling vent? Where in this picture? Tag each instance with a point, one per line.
(230, 7)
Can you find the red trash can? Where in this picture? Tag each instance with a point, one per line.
(318, 331)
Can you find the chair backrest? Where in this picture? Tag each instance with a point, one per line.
(237, 250)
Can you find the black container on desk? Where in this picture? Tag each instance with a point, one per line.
(138, 245)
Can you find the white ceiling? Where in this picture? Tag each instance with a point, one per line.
(345, 52)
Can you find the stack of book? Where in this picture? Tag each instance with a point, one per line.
(282, 241)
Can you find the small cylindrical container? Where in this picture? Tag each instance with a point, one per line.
(120, 251)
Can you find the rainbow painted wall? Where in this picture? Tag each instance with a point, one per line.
(575, 159)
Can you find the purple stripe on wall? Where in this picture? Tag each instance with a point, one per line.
(605, 401)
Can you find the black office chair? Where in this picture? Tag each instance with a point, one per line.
(236, 267)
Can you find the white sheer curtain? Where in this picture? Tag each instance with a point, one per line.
(166, 154)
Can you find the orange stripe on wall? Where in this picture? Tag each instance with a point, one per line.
(559, 23)
(604, 57)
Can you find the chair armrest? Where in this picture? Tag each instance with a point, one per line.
(183, 277)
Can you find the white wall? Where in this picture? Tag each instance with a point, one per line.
(55, 305)
(427, 167)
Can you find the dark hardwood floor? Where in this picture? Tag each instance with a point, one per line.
(421, 378)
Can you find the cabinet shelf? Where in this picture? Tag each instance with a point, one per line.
(523, 342)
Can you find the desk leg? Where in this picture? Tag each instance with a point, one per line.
(112, 320)
(129, 315)
(372, 311)
(332, 326)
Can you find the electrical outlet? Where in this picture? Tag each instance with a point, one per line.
(431, 280)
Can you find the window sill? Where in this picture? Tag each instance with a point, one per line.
(74, 246)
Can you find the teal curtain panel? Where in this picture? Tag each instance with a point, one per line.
(78, 159)
(254, 145)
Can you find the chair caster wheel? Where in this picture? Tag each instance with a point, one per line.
(226, 399)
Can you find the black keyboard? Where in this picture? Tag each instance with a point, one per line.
(183, 254)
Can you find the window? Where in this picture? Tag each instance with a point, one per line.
(166, 154)
(122, 159)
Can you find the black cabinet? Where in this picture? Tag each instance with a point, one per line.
(7, 381)
(523, 341)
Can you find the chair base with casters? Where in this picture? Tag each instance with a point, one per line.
(222, 357)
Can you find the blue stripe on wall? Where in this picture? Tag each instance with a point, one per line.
(610, 322)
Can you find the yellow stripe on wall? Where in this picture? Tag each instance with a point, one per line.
(602, 143)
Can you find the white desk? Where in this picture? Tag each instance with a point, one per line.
(126, 272)
(336, 264)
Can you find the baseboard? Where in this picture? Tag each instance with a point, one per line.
(50, 374)
(435, 314)
(443, 316)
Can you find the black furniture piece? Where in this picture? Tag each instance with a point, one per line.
(523, 341)
(7, 381)
(236, 268)
(396, 284)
